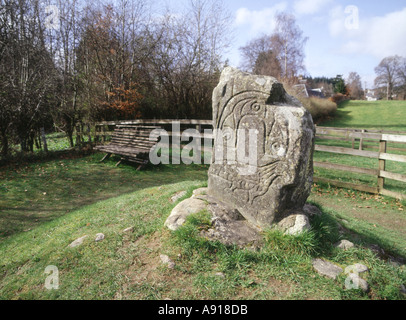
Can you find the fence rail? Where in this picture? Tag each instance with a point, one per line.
(381, 142)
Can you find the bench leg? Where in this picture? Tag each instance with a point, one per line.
(107, 156)
(142, 165)
(118, 163)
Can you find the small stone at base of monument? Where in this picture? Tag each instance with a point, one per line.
(403, 289)
(200, 194)
(359, 268)
(184, 209)
(295, 224)
(231, 228)
(354, 281)
(326, 268)
(228, 225)
(177, 196)
(345, 245)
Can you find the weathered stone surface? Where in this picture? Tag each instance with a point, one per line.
(264, 142)
(180, 213)
(129, 230)
(230, 227)
(345, 245)
(311, 210)
(177, 196)
(220, 275)
(295, 224)
(326, 268)
(78, 242)
(200, 192)
(99, 237)
(358, 268)
(167, 261)
(403, 289)
(354, 281)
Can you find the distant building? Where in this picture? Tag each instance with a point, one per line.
(370, 95)
(304, 90)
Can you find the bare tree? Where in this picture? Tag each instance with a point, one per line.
(280, 54)
(258, 57)
(288, 42)
(354, 85)
(267, 63)
(100, 60)
(388, 74)
(28, 71)
(187, 59)
(63, 41)
(402, 77)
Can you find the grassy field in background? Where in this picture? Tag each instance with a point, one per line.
(373, 115)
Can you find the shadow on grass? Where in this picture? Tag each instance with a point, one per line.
(332, 227)
(34, 194)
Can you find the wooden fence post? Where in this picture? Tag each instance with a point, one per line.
(382, 165)
(96, 133)
(89, 134)
(103, 129)
(361, 142)
(44, 140)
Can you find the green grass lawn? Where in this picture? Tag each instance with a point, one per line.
(47, 205)
(373, 115)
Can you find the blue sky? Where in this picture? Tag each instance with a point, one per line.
(344, 36)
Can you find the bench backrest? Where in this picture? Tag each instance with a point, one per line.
(140, 137)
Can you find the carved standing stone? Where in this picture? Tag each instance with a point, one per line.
(264, 142)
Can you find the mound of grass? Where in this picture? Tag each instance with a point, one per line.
(285, 261)
(128, 266)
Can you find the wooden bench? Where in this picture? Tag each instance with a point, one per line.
(132, 143)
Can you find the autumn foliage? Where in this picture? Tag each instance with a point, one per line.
(124, 102)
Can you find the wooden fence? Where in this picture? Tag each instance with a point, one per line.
(381, 148)
(363, 143)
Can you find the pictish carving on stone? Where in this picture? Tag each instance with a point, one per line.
(264, 142)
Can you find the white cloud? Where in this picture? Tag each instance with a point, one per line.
(304, 7)
(378, 36)
(259, 21)
(337, 21)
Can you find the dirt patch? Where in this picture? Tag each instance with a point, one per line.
(147, 272)
(269, 289)
(145, 258)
